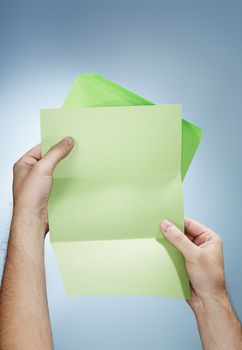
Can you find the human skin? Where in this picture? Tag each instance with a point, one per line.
(24, 315)
(219, 327)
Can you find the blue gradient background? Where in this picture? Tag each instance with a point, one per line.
(187, 52)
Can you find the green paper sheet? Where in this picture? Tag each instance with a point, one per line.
(137, 266)
(93, 90)
(109, 195)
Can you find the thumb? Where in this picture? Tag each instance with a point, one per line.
(178, 239)
(56, 154)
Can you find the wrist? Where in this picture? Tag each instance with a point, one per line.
(209, 303)
(30, 215)
(26, 238)
(28, 221)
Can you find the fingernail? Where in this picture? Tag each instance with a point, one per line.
(68, 141)
(165, 225)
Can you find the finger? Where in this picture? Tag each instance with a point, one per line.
(195, 228)
(190, 237)
(34, 152)
(56, 154)
(23, 165)
(178, 239)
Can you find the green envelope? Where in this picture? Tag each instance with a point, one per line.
(121, 179)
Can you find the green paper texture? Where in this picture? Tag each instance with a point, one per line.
(108, 196)
(93, 90)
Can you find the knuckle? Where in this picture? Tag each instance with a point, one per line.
(17, 165)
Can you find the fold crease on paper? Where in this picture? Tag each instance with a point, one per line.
(108, 196)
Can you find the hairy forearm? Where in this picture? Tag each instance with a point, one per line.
(24, 316)
(219, 327)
